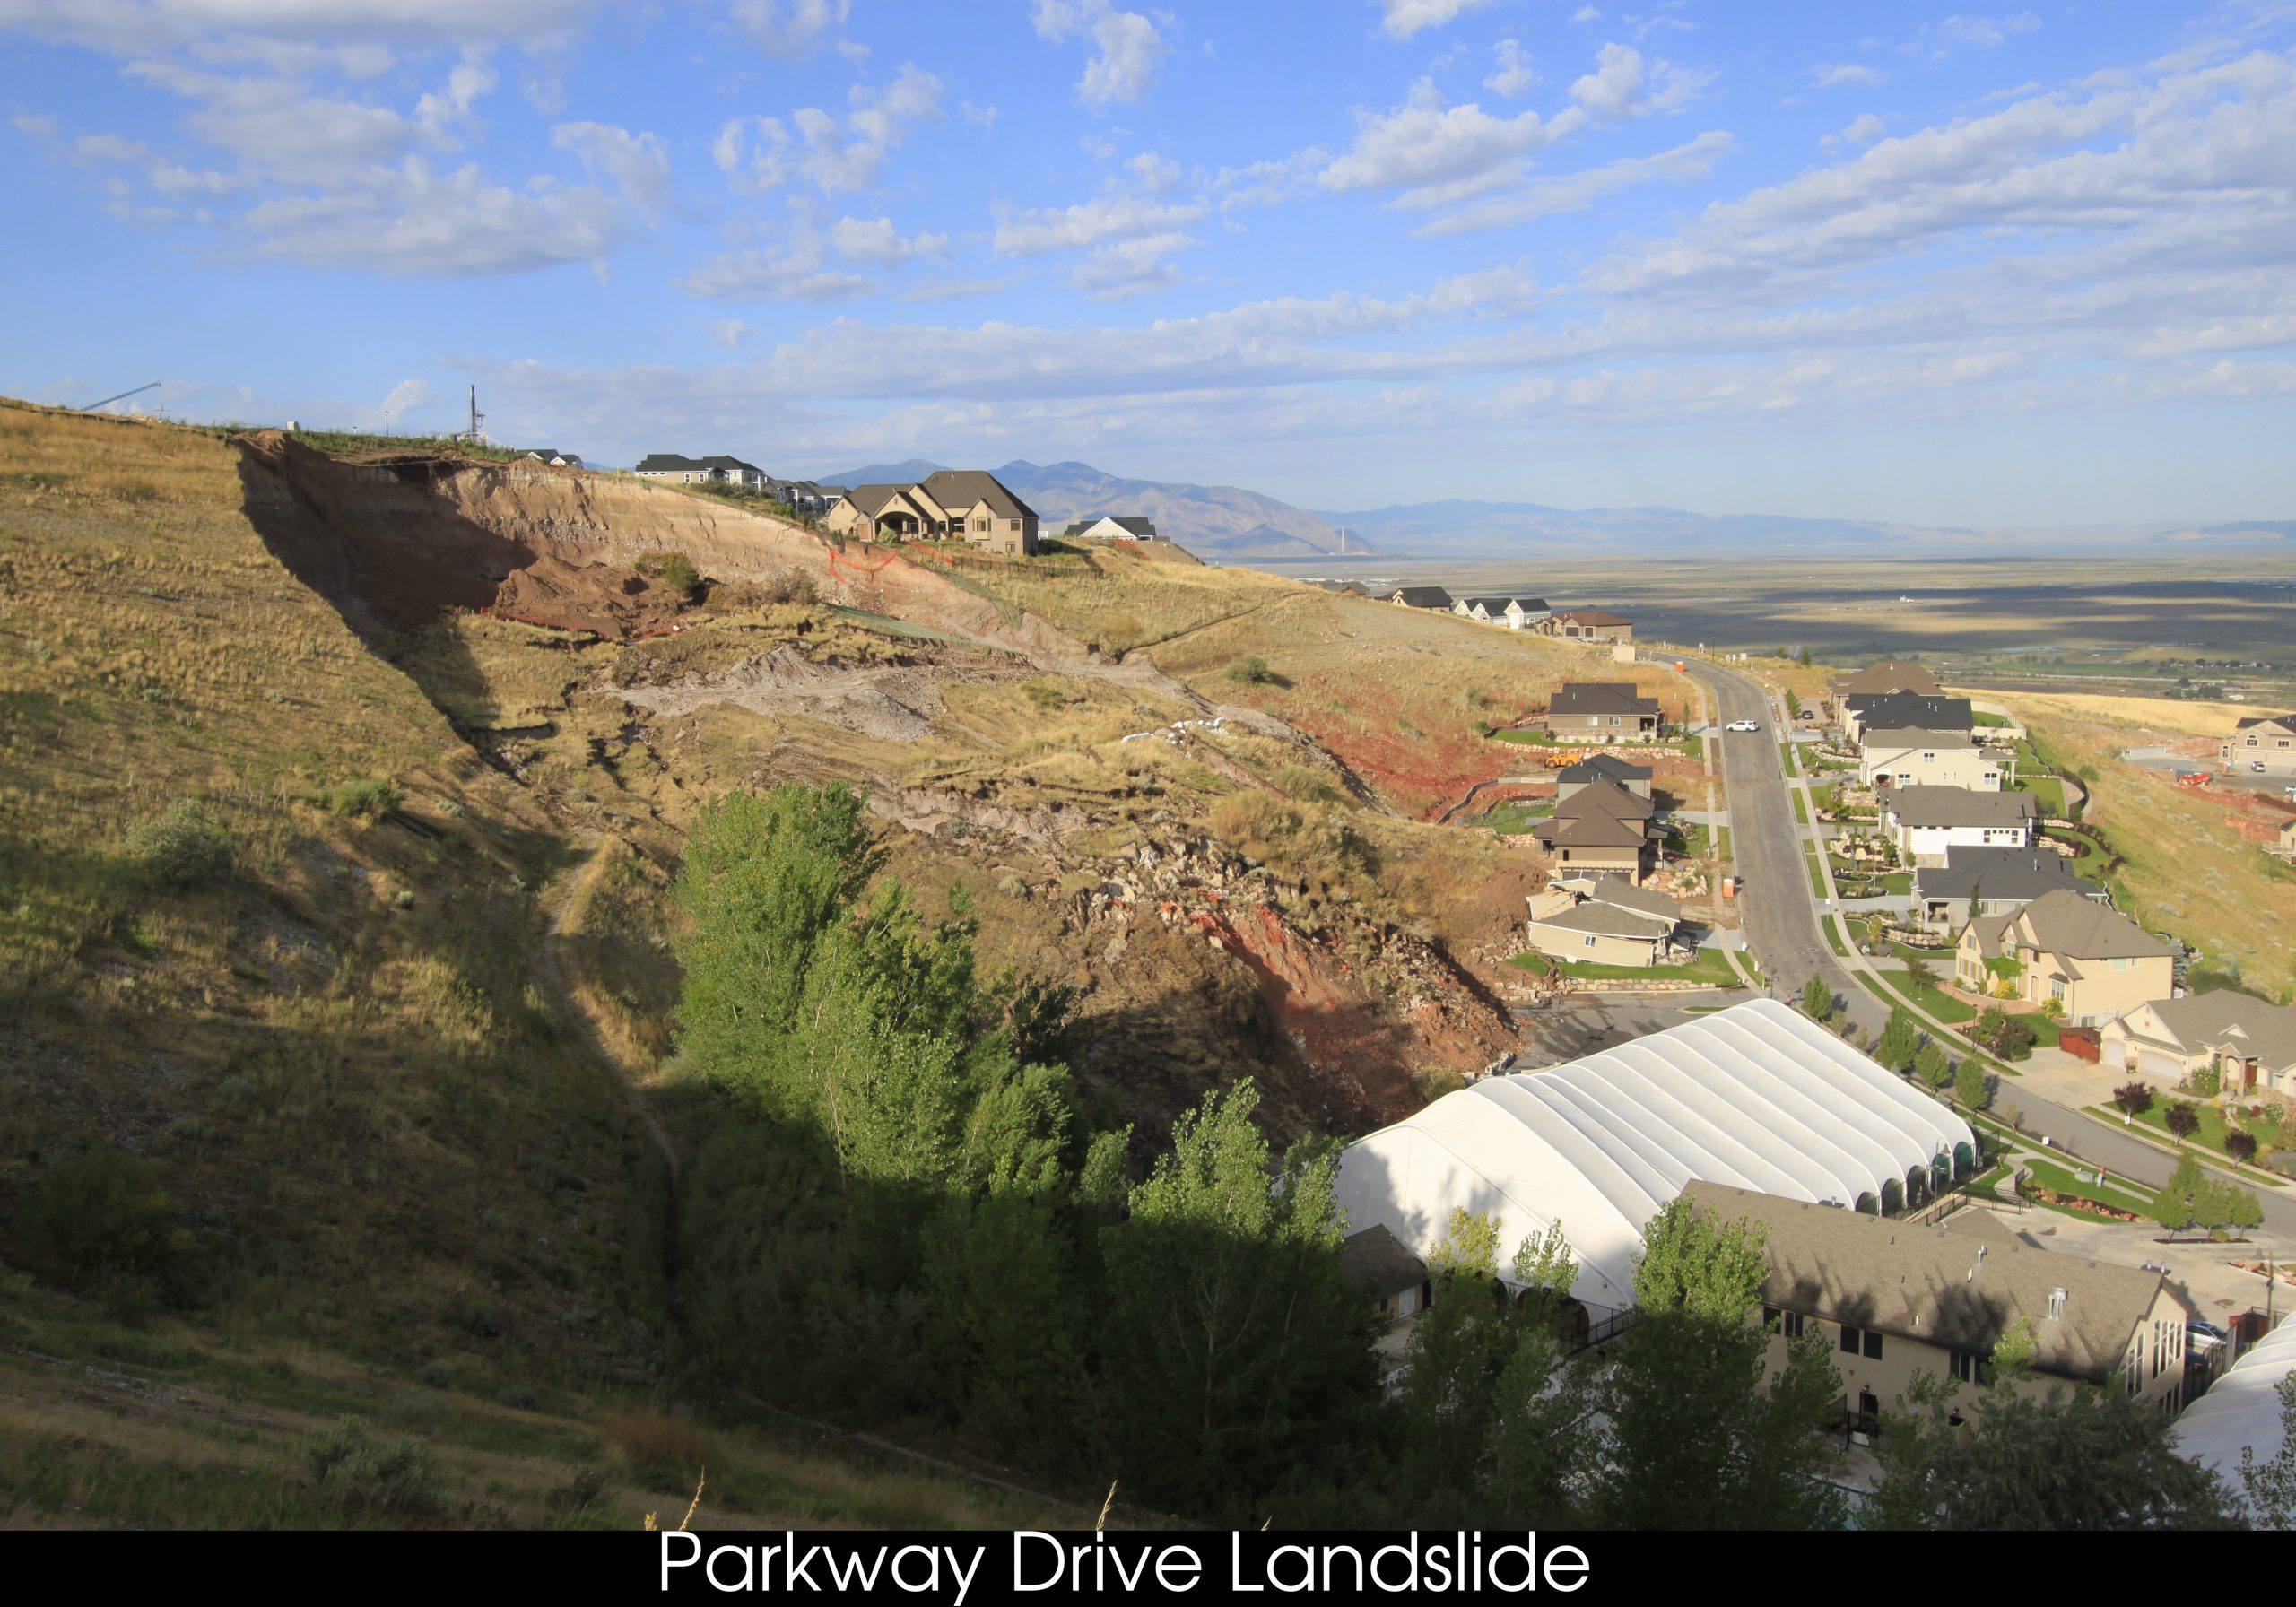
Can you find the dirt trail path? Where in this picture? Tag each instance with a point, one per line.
(549, 968)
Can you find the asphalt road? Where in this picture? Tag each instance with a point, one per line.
(1779, 911)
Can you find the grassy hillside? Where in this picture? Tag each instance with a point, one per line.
(293, 1123)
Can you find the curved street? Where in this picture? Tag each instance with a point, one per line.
(1781, 915)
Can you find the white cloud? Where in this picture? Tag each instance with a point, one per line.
(407, 395)
(1436, 153)
(413, 219)
(728, 332)
(637, 163)
(1586, 13)
(1545, 197)
(138, 27)
(1405, 18)
(1109, 217)
(1625, 84)
(1514, 76)
(1127, 50)
(790, 29)
(1986, 32)
(757, 154)
(1863, 130)
(1123, 269)
(1834, 74)
(876, 241)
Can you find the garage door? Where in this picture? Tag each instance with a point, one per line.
(2159, 1067)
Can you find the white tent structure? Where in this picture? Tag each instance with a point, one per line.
(1755, 1096)
(2240, 1409)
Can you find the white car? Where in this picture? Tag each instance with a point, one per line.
(1743, 726)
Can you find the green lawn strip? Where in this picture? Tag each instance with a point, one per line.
(1537, 964)
(1694, 747)
(1834, 937)
(1817, 870)
(1801, 809)
(1711, 967)
(2209, 1135)
(1534, 739)
(2050, 1175)
(1908, 951)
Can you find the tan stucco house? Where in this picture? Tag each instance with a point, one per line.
(1587, 625)
(1977, 881)
(969, 505)
(2092, 960)
(1601, 711)
(1605, 920)
(1602, 767)
(2251, 1042)
(1905, 711)
(2268, 740)
(1928, 759)
(1928, 823)
(1893, 1300)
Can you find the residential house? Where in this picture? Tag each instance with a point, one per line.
(806, 497)
(1587, 625)
(1397, 1280)
(1905, 711)
(1878, 680)
(1517, 613)
(1928, 759)
(877, 513)
(969, 505)
(1893, 1300)
(716, 469)
(1986, 881)
(2268, 740)
(1601, 711)
(2091, 960)
(975, 506)
(1600, 827)
(1926, 821)
(2250, 1042)
(1605, 920)
(553, 457)
(1602, 767)
(2285, 846)
(1110, 527)
(1432, 597)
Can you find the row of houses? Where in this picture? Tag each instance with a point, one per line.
(1520, 613)
(805, 496)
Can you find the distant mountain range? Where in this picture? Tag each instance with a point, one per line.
(1228, 522)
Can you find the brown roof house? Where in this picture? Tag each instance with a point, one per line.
(1422, 596)
(1602, 767)
(1905, 711)
(2251, 1042)
(1601, 828)
(1890, 675)
(1893, 1300)
(2091, 960)
(1601, 711)
(1587, 625)
(1604, 920)
(969, 505)
(2265, 742)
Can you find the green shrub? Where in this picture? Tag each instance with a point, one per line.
(183, 848)
(675, 571)
(368, 799)
(97, 1217)
(361, 1478)
(1250, 670)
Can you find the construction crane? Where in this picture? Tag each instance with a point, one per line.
(123, 396)
(477, 419)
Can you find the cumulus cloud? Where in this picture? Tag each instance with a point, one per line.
(1402, 19)
(1572, 192)
(790, 29)
(876, 241)
(1986, 32)
(1625, 84)
(1435, 153)
(1834, 74)
(1109, 217)
(638, 164)
(728, 332)
(1127, 50)
(1514, 76)
(1863, 130)
(407, 395)
(817, 147)
(1123, 269)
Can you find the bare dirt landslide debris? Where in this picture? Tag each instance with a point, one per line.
(897, 702)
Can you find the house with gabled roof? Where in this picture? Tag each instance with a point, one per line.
(1110, 527)
(553, 457)
(2265, 741)
(2087, 958)
(1905, 711)
(1880, 680)
(2250, 1042)
(1601, 711)
(1892, 1298)
(1600, 827)
(1517, 613)
(719, 469)
(881, 512)
(1602, 767)
(969, 505)
(1990, 882)
(1605, 919)
(1926, 821)
(1927, 758)
(1587, 625)
(1433, 598)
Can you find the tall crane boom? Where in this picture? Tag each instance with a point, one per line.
(123, 396)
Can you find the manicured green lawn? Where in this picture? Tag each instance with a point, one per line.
(1801, 809)
(1711, 967)
(2048, 792)
(1539, 739)
(1935, 1001)
(1817, 871)
(1515, 817)
(1933, 956)
(1694, 746)
(2209, 1135)
(1833, 936)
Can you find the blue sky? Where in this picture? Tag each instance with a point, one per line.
(2018, 267)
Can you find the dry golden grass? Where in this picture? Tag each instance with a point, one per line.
(1116, 598)
(2159, 717)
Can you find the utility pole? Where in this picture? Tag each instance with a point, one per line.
(476, 417)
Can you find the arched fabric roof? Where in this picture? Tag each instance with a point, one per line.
(1755, 1096)
(2240, 1409)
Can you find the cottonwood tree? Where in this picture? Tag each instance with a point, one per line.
(1972, 1089)
(2270, 1483)
(1900, 1041)
(1931, 1068)
(1697, 1433)
(1817, 999)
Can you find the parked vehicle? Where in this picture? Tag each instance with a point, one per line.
(1743, 726)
